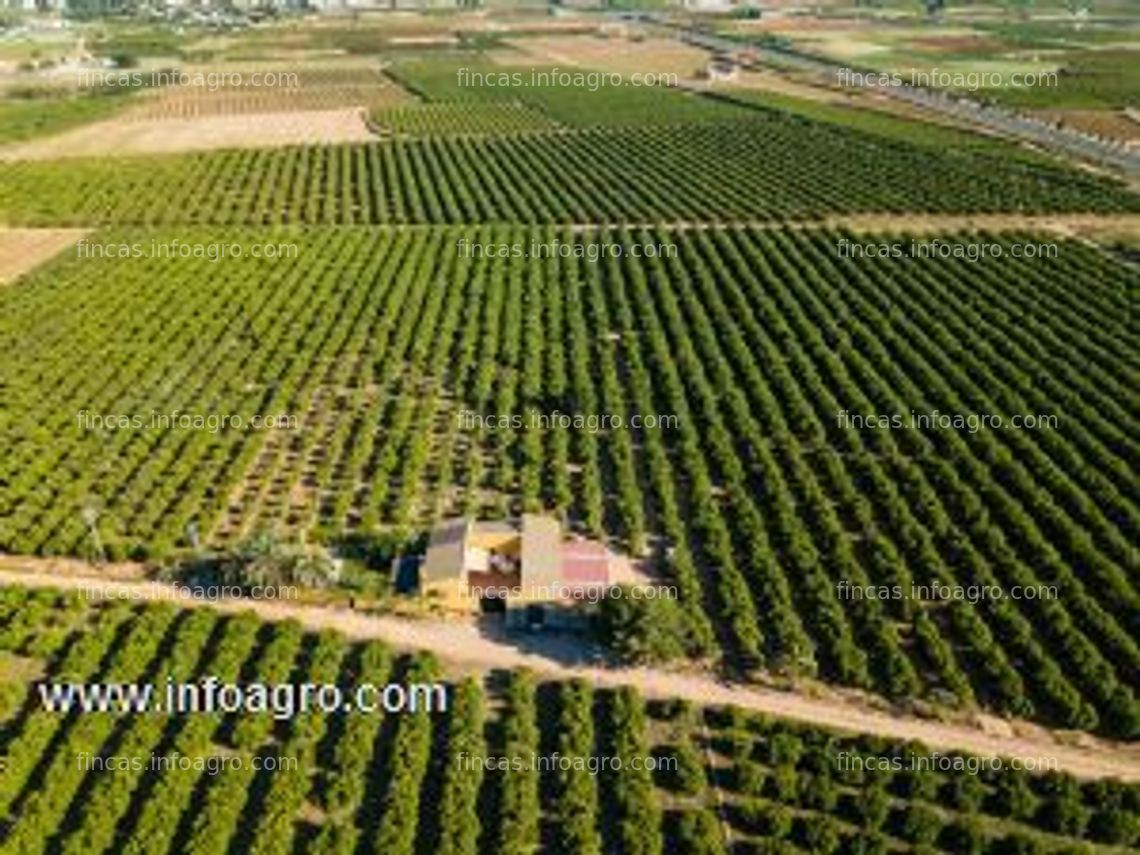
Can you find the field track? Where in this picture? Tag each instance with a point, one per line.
(461, 647)
(22, 250)
(1099, 226)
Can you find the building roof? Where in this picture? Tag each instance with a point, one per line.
(585, 562)
(494, 527)
(445, 552)
(541, 550)
(546, 560)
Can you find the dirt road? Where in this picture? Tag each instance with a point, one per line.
(21, 250)
(1104, 228)
(463, 646)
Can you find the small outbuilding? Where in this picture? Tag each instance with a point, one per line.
(526, 570)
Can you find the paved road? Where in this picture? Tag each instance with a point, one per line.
(465, 647)
(1005, 121)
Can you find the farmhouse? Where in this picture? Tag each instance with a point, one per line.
(525, 570)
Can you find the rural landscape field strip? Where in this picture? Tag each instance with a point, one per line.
(144, 654)
(379, 341)
(896, 493)
(767, 166)
(449, 119)
(725, 778)
(1009, 615)
(101, 801)
(342, 789)
(236, 90)
(158, 802)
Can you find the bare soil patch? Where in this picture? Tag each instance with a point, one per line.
(612, 53)
(1113, 124)
(771, 81)
(22, 250)
(1098, 227)
(957, 43)
(783, 23)
(165, 136)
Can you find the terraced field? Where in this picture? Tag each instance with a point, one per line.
(754, 495)
(510, 766)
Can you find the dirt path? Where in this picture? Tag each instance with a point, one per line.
(1102, 227)
(463, 646)
(22, 250)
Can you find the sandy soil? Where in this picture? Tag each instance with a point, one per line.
(22, 250)
(627, 57)
(466, 647)
(782, 22)
(771, 81)
(1113, 124)
(425, 41)
(121, 136)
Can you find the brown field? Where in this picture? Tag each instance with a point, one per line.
(230, 89)
(613, 53)
(798, 23)
(165, 136)
(22, 250)
(958, 43)
(771, 81)
(1113, 124)
(183, 102)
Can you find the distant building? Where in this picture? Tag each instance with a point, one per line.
(722, 68)
(526, 570)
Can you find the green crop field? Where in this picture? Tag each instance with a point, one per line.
(571, 96)
(861, 391)
(754, 339)
(764, 167)
(1105, 80)
(693, 780)
(30, 113)
(461, 118)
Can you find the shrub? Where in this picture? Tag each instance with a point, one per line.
(818, 834)
(642, 630)
(696, 832)
(920, 824)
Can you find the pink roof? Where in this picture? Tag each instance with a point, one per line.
(585, 561)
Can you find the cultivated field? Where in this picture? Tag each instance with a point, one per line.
(691, 780)
(331, 87)
(767, 501)
(783, 166)
(862, 390)
(461, 118)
